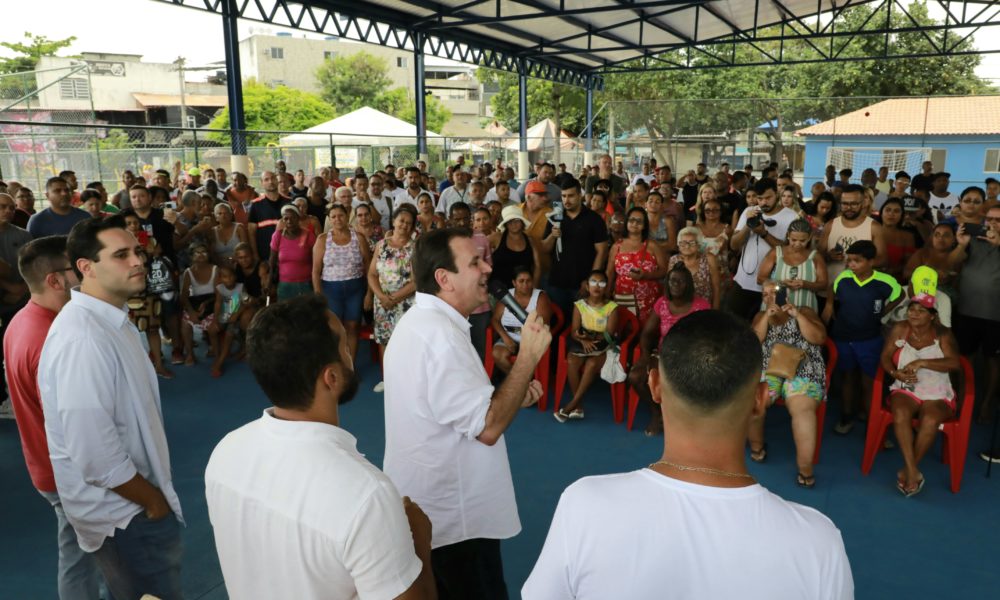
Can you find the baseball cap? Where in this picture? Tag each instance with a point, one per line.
(194, 172)
(536, 187)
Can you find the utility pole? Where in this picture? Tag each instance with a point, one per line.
(180, 79)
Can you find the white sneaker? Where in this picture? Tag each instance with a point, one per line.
(6, 410)
(379, 387)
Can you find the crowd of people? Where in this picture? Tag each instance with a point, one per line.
(901, 274)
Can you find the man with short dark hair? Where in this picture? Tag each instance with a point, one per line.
(103, 420)
(60, 216)
(265, 212)
(458, 192)
(580, 246)
(444, 421)
(696, 524)
(409, 194)
(70, 178)
(347, 533)
(45, 268)
(604, 172)
(152, 220)
(240, 197)
(940, 200)
(852, 225)
(992, 192)
(924, 180)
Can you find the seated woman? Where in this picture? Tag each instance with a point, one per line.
(918, 354)
(802, 329)
(679, 301)
(703, 265)
(594, 319)
(198, 302)
(506, 325)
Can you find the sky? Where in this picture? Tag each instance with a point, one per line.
(161, 32)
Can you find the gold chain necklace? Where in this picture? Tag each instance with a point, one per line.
(706, 470)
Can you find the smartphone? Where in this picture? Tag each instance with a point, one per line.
(974, 229)
(781, 295)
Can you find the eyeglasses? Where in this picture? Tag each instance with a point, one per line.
(687, 243)
(598, 282)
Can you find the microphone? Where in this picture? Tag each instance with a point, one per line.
(503, 296)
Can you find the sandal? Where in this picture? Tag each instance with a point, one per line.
(911, 493)
(560, 415)
(805, 481)
(576, 414)
(759, 456)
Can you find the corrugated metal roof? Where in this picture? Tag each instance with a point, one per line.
(175, 100)
(955, 115)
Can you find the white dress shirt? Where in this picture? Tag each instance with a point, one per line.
(299, 513)
(436, 398)
(402, 196)
(102, 417)
(451, 195)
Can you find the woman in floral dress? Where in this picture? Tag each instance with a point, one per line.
(636, 267)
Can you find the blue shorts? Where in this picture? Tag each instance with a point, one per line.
(345, 298)
(864, 355)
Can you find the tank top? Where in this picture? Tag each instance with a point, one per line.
(251, 283)
(201, 289)
(505, 260)
(931, 385)
(225, 250)
(845, 236)
(510, 323)
(342, 263)
(805, 271)
(594, 318)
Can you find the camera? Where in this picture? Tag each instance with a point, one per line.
(755, 221)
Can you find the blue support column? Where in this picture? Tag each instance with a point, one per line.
(523, 167)
(419, 97)
(234, 86)
(588, 154)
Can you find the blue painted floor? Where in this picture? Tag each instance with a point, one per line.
(935, 545)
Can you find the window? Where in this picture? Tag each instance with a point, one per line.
(473, 94)
(329, 55)
(191, 122)
(277, 53)
(74, 88)
(400, 62)
(992, 164)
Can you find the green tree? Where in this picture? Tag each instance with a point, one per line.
(352, 81)
(114, 139)
(802, 88)
(564, 104)
(280, 108)
(28, 54)
(437, 113)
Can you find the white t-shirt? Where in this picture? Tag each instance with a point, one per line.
(451, 195)
(402, 196)
(299, 513)
(647, 178)
(642, 535)
(942, 204)
(491, 195)
(436, 398)
(755, 249)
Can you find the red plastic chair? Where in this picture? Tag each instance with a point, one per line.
(956, 430)
(627, 324)
(543, 368)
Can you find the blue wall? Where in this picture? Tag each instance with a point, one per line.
(965, 156)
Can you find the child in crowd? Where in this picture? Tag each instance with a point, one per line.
(156, 303)
(230, 304)
(594, 321)
(860, 296)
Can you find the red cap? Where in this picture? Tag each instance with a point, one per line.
(536, 187)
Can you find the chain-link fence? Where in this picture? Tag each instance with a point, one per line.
(957, 134)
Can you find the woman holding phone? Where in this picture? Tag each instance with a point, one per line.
(636, 267)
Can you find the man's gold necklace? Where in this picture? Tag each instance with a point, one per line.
(706, 470)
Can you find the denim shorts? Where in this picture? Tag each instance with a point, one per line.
(345, 298)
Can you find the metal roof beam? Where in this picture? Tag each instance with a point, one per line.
(465, 19)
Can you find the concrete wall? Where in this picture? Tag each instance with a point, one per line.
(963, 157)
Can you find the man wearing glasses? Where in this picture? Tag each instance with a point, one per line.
(853, 225)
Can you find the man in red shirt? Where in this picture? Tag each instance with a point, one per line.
(47, 271)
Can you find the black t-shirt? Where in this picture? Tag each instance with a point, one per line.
(299, 192)
(922, 182)
(316, 210)
(156, 226)
(689, 193)
(576, 261)
(266, 213)
(160, 276)
(732, 203)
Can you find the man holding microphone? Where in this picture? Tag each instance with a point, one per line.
(444, 421)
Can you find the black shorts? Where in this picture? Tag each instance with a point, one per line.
(974, 334)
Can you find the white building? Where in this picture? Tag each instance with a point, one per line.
(292, 60)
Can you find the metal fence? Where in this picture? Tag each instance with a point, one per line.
(958, 134)
(31, 152)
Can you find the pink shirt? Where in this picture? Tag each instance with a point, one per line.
(294, 256)
(668, 319)
(22, 347)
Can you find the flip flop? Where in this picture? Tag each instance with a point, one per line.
(759, 456)
(805, 481)
(560, 415)
(916, 490)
